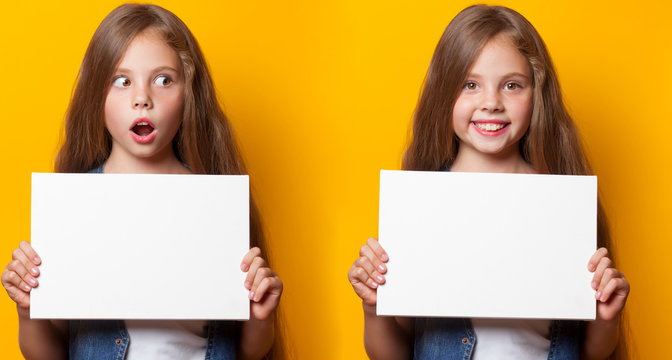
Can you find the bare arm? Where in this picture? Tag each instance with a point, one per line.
(38, 339)
(384, 337)
(257, 334)
(387, 337)
(256, 338)
(42, 339)
(612, 291)
(600, 340)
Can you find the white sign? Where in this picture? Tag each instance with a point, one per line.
(487, 245)
(127, 246)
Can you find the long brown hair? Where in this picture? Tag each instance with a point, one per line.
(204, 142)
(551, 144)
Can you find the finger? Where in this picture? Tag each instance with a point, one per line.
(261, 274)
(366, 264)
(5, 278)
(595, 259)
(377, 249)
(375, 275)
(604, 264)
(609, 273)
(257, 263)
(13, 279)
(615, 284)
(30, 253)
(247, 259)
(20, 255)
(19, 268)
(358, 275)
(363, 286)
(367, 252)
(266, 285)
(21, 298)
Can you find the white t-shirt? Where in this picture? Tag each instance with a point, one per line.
(517, 339)
(166, 339)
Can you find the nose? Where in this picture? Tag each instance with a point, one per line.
(491, 101)
(142, 99)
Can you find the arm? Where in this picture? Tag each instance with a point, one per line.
(387, 337)
(38, 339)
(384, 337)
(257, 334)
(42, 339)
(612, 291)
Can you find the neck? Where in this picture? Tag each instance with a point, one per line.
(121, 162)
(470, 160)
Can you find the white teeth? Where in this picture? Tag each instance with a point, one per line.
(142, 123)
(490, 126)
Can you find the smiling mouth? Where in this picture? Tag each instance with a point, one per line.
(142, 128)
(490, 126)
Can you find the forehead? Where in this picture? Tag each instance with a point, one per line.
(500, 56)
(149, 50)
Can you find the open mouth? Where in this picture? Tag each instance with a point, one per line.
(143, 131)
(490, 127)
(142, 128)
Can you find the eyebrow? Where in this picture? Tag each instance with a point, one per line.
(508, 75)
(158, 69)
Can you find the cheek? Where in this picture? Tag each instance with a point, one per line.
(462, 113)
(174, 106)
(523, 109)
(111, 109)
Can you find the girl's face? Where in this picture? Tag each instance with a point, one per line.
(143, 108)
(493, 110)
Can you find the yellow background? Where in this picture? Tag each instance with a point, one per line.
(321, 94)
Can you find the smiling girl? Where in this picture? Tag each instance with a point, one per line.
(145, 103)
(491, 103)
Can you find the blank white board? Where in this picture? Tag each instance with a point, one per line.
(487, 245)
(130, 246)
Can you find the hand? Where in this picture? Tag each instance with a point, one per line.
(264, 284)
(367, 272)
(20, 275)
(611, 286)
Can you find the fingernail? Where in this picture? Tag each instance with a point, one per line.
(597, 296)
(32, 281)
(380, 278)
(34, 271)
(603, 299)
(27, 288)
(381, 267)
(384, 257)
(36, 259)
(256, 298)
(594, 284)
(248, 285)
(251, 296)
(591, 267)
(373, 284)
(243, 267)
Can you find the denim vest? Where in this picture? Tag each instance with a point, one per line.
(453, 339)
(108, 340)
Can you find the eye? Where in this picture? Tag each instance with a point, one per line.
(121, 82)
(512, 86)
(470, 85)
(163, 80)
